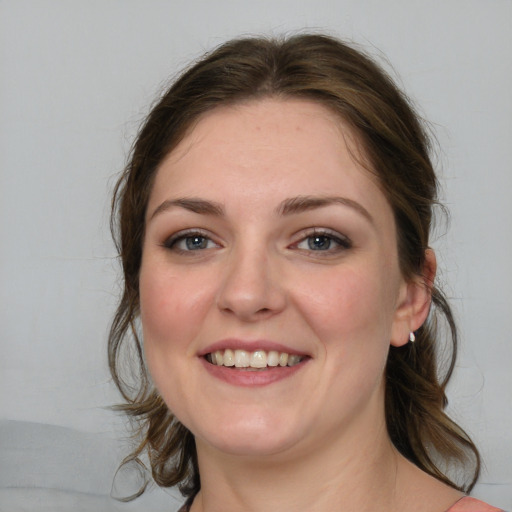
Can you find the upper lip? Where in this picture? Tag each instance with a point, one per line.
(249, 346)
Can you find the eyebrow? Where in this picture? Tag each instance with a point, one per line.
(301, 204)
(193, 204)
(289, 206)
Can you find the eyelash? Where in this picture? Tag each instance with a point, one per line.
(182, 236)
(341, 242)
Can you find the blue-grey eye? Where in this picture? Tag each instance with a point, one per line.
(189, 242)
(324, 241)
(319, 242)
(193, 243)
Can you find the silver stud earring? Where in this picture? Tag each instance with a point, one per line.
(412, 337)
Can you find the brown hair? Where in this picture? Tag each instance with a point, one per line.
(396, 148)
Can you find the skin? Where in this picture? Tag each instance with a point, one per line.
(316, 438)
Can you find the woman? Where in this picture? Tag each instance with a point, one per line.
(274, 228)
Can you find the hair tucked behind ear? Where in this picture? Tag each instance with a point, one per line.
(395, 148)
(415, 403)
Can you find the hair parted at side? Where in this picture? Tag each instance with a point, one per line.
(395, 148)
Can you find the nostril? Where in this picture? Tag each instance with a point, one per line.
(250, 296)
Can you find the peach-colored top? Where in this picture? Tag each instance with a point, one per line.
(468, 504)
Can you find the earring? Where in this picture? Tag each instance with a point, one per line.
(412, 337)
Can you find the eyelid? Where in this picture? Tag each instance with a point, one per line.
(171, 241)
(343, 241)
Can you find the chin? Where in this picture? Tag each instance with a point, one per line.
(247, 446)
(250, 437)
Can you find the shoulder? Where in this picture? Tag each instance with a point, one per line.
(468, 504)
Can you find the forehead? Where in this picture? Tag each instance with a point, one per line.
(267, 147)
(255, 124)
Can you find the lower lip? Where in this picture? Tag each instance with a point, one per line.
(248, 378)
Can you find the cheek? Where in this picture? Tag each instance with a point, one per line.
(353, 305)
(349, 314)
(171, 306)
(157, 308)
(352, 318)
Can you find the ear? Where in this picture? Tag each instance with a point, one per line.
(414, 302)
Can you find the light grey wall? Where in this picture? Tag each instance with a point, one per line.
(76, 79)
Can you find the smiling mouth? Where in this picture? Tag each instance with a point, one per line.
(257, 360)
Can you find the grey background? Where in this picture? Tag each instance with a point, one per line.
(77, 77)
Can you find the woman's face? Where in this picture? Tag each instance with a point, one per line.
(266, 241)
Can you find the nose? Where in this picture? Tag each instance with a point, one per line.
(251, 286)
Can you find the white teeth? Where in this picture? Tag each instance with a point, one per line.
(273, 358)
(229, 357)
(217, 357)
(257, 359)
(242, 359)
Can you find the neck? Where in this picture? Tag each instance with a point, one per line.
(354, 473)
